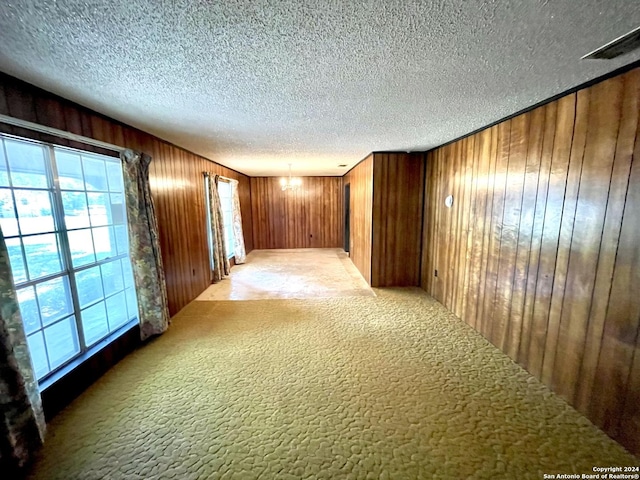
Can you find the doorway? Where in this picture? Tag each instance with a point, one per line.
(347, 216)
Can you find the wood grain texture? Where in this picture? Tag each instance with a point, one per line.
(309, 217)
(360, 178)
(397, 219)
(175, 177)
(550, 235)
(541, 250)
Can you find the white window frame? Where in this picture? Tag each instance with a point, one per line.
(68, 270)
(227, 215)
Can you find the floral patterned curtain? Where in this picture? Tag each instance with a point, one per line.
(219, 260)
(144, 246)
(22, 426)
(238, 237)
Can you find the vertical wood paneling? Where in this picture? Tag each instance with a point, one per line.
(621, 336)
(455, 185)
(586, 238)
(624, 156)
(469, 204)
(19, 104)
(526, 214)
(477, 228)
(509, 228)
(360, 178)
(541, 252)
(567, 222)
(447, 174)
(550, 111)
(426, 281)
(309, 217)
(495, 231)
(549, 239)
(244, 194)
(175, 178)
(492, 141)
(432, 224)
(397, 219)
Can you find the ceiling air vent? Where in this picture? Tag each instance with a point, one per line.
(621, 45)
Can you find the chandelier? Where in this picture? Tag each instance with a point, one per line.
(290, 183)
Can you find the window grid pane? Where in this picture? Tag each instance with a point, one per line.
(43, 255)
(16, 258)
(58, 272)
(54, 299)
(38, 353)
(76, 211)
(94, 323)
(8, 218)
(34, 211)
(104, 242)
(62, 341)
(29, 309)
(27, 164)
(4, 171)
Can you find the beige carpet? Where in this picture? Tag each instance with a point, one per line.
(386, 387)
(293, 273)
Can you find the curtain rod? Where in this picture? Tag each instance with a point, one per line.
(206, 174)
(17, 122)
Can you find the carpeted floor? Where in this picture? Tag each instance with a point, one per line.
(386, 387)
(291, 273)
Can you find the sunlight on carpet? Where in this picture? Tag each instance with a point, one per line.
(291, 273)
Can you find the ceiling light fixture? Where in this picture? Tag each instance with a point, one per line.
(290, 183)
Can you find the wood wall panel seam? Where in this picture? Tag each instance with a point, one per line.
(552, 239)
(524, 246)
(505, 153)
(598, 170)
(507, 342)
(567, 223)
(539, 219)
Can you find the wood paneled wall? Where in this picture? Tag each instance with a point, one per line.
(360, 179)
(387, 192)
(175, 177)
(309, 217)
(541, 249)
(177, 186)
(398, 191)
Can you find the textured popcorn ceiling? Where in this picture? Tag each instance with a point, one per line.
(257, 84)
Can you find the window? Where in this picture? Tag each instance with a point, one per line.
(63, 218)
(224, 189)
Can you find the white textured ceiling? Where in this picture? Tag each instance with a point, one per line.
(258, 84)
